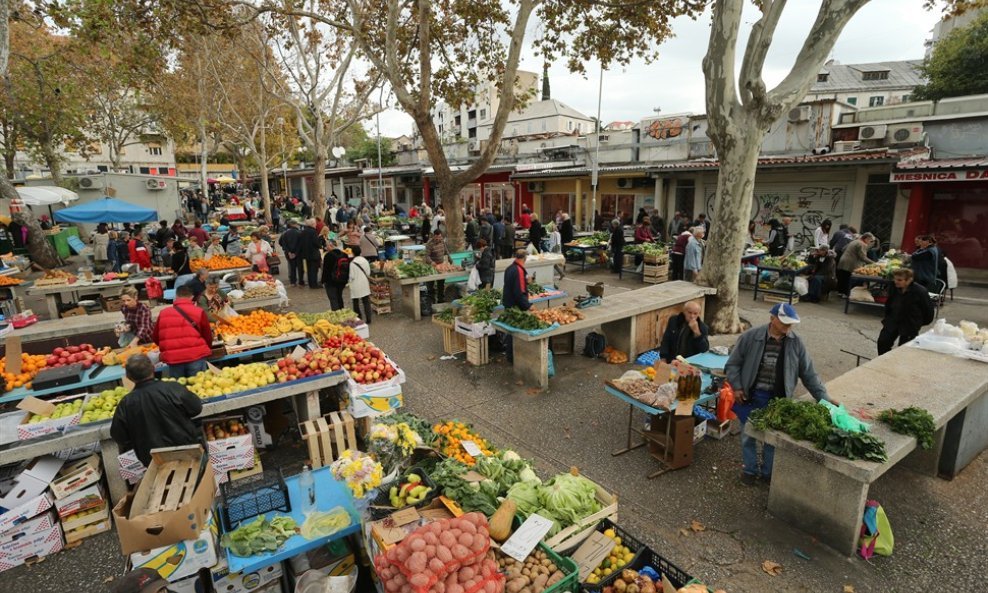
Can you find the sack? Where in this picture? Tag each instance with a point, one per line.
(801, 285)
(876, 532)
(594, 345)
(861, 294)
(473, 283)
(341, 273)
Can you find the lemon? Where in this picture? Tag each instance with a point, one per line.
(610, 533)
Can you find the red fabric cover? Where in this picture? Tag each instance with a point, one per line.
(177, 340)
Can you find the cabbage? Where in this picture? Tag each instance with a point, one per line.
(569, 498)
(510, 456)
(525, 495)
(528, 475)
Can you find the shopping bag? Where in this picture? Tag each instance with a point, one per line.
(473, 282)
(801, 285)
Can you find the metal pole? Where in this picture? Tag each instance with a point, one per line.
(596, 157)
(379, 174)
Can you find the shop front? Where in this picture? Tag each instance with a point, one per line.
(949, 200)
(494, 190)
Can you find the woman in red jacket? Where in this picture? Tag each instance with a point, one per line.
(139, 253)
(183, 336)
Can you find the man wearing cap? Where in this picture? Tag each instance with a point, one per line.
(764, 365)
(142, 580)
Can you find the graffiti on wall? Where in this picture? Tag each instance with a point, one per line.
(807, 205)
(663, 129)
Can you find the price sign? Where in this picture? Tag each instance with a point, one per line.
(471, 448)
(523, 541)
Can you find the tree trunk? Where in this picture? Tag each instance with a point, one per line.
(449, 191)
(263, 166)
(319, 183)
(54, 162)
(203, 161)
(722, 263)
(39, 249)
(8, 161)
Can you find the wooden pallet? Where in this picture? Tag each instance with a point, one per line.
(778, 298)
(453, 341)
(328, 440)
(477, 354)
(174, 485)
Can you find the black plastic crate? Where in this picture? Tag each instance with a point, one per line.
(646, 557)
(381, 507)
(628, 540)
(252, 496)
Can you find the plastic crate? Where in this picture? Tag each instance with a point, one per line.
(253, 496)
(381, 506)
(647, 557)
(628, 540)
(569, 583)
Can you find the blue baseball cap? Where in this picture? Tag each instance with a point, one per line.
(786, 313)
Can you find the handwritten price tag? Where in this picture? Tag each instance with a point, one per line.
(524, 540)
(471, 448)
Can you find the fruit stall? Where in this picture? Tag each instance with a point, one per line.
(58, 287)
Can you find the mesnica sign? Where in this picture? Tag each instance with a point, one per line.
(914, 176)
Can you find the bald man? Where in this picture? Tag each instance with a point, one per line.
(685, 335)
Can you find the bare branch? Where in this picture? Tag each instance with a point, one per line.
(759, 41)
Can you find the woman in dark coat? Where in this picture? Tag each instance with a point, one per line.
(536, 233)
(617, 245)
(925, 262)
(485, 264)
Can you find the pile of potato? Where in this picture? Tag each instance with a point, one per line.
(561, 315)
(536, 574)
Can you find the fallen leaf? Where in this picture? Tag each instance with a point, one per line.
(848, 588)
(697, 526)
(430, 357)
(772, 568)
(566, 432)
(533, 391)
(519, 383)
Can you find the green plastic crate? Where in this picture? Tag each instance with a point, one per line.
(570, 582)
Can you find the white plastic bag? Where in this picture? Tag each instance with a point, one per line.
(473, 283)
(801, 285)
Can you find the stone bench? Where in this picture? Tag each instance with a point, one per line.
(631, 322)
(825, 494)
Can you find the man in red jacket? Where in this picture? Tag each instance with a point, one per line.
(183, 336)
(138, 250)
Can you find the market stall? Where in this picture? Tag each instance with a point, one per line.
(775, 278)
(60, 287)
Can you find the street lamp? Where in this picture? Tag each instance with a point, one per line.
(380, 175)
(596, 159)
(284, 158)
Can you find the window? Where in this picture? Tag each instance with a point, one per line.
(822, 77)
(876, 75)
(144, 171)
(685, 194)
(483, 114)
(876, 101)
(907, 98)
(852, 100)
(569, 125)
(154, 149)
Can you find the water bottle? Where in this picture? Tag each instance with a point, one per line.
(308, 486)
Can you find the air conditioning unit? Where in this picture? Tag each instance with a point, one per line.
(876, 132)
(907, 134)
(536, 187)
(95, 182)
(473, 146)
(846, 146)
(155, 184)
(798, 114)
(625, 183)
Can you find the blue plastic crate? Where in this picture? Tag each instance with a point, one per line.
(647, 358)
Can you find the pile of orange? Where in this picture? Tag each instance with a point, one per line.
(449, 441)
(254, 323)
(9, 281)
(219, 262)
(30, 365)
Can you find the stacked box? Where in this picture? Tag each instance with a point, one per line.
(182, 559)
(82, 508)
(234, 450)
(131, 468)
(28, 528)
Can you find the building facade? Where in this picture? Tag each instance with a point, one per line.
(866, 85)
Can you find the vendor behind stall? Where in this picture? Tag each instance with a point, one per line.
(155, 413)
(686, 334)
(213, 301)
(136, 327)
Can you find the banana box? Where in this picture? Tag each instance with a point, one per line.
(182, 559)
(237, 582)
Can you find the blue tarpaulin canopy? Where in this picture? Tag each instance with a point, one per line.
(106, 210)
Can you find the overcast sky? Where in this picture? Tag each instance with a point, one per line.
(882, 30)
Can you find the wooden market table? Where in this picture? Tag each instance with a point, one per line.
(631, 322)
(304, 394)
(585, 250)
(54, 293)
(257, 303)
(825, 494)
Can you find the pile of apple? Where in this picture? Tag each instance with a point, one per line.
(314, 362)
(102, 406)
(85, 354)
(342, 340)
(223, 429)
(366, 363)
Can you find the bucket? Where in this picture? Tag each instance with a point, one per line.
(313, 581)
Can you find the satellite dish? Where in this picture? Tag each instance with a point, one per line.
(338, 151)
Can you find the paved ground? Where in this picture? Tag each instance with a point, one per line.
(939, 525)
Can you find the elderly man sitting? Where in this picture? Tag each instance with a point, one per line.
(686, 334)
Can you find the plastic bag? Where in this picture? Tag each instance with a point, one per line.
(801, 285)
(861, 294)
(843, 419)
(473, 282)
(725, 401)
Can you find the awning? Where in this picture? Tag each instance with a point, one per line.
(106, 210)
(46, 195)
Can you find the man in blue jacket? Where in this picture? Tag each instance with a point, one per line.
(765, 364)
(515, 293)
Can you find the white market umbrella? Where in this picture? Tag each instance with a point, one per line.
(46, 195)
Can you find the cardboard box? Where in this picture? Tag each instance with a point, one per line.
(40, 524)
(75, 520)
(76, 476)
(192, 584)
(183, 558)
(142, 526)
(366, 402)
(38, 545)
(30, 508)
(35, 406)
(82, 500)
(74, 312)
(240, 474)
(230, 453)
(131, 468)
(226, 582)
(82, 533)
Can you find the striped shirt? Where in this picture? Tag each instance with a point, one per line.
(766, 370)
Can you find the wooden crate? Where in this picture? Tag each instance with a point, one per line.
(656, 271)
(453, 341)
(477, 354)
(650, 326)
(327, 440)
(174, 485)
(657, 259)
(778, 298)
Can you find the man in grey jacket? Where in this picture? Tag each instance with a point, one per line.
(765, 363)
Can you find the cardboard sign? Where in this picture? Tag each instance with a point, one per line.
(298, 353)
(685, 408)
(404, 516)
(471, 448)
(472, 476)
(523, 541)
(38, 407)
(592, 552)
(13, 364)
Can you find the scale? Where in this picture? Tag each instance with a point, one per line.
(57, 377)
(594, 297)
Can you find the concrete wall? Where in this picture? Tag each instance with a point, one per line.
(131, 188)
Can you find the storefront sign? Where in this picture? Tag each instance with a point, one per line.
(937, 176)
